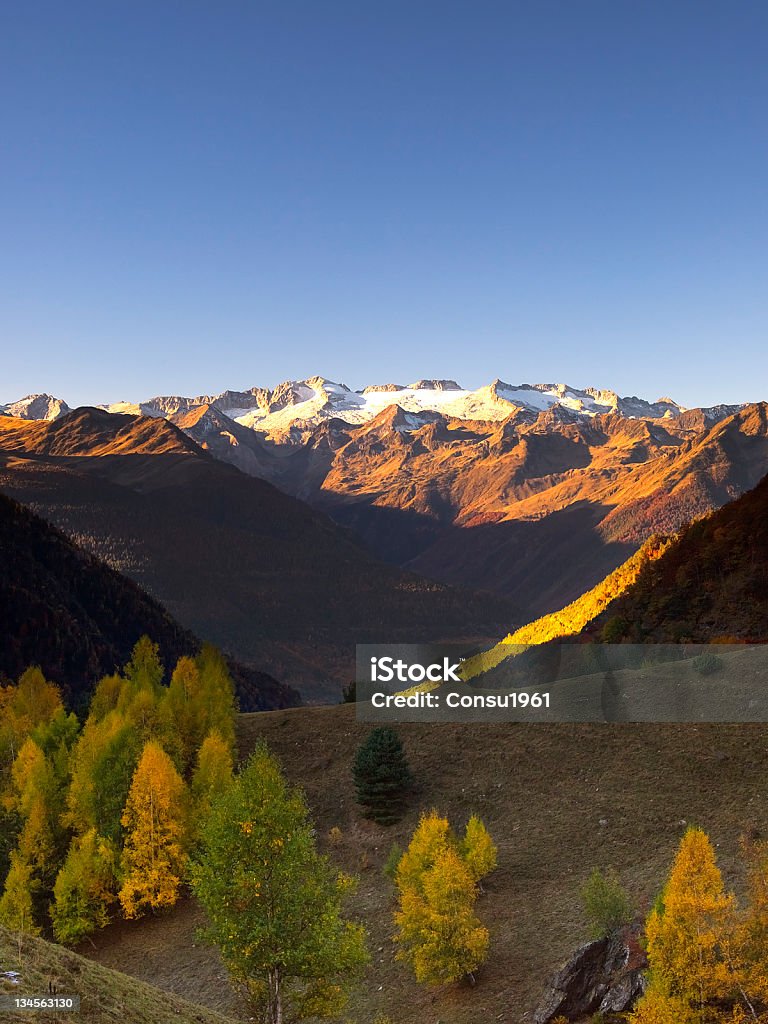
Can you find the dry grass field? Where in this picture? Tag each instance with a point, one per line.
(558, 799)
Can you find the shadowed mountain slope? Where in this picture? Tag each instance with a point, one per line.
(66, 611)
(255, 571)
(711, 583)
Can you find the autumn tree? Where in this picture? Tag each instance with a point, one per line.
(145, 670)
(36, 796)
(437, 880)
(155, 822)
(212, 775)
(750, 959)
(84, 889)
(31, 703)
(218, 701)
(478, 849)
(17, 911)
(439, 934)
(381, 775)
(103, 764)
(273, 903)
(689, 934)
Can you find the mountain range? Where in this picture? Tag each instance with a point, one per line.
(288, 524)
(305, 403)
(256, 571)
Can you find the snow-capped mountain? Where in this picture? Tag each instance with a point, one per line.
(296, 406)
(36, 407)
(309, 402)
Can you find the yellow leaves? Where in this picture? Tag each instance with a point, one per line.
(246, 827)
(696, 947)
(479, 849)
(685, 941)
(657, 1007)
(155, 815)
(438, 932)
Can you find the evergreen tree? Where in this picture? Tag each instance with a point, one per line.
(155, 823)
(381, 775)
(274, 904)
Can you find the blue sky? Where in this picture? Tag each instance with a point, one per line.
(199, 195)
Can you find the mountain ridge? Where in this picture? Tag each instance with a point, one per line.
(315, 398)
(270, 580)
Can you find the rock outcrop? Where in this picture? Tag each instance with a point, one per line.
(603, 976)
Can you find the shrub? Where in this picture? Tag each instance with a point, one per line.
(606, 904)
(393, 859)
(707, 664)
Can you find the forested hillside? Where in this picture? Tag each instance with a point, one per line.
(78, 619)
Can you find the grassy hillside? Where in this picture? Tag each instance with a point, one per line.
(558, 799)
(105, 995)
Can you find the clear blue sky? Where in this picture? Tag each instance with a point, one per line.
(200, 194)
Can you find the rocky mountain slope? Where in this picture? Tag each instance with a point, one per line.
(36, 407)
(78, 619)
(535, 492)
(262, 575)
(540, 506)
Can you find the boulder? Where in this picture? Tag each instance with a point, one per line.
(606, 976)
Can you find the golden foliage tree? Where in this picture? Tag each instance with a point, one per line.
(690, 939)
(479, 850)
(433, 835)
(437, 879)
(155, 823)
(439, 934)
(16, 907)
(35, 797)
(212, 775)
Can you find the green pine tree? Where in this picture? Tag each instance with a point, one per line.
(381, 774)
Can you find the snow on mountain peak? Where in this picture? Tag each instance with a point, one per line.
(296, 406)
(36, 407)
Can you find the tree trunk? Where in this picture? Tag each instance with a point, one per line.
(278, 998)
(275, 998)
